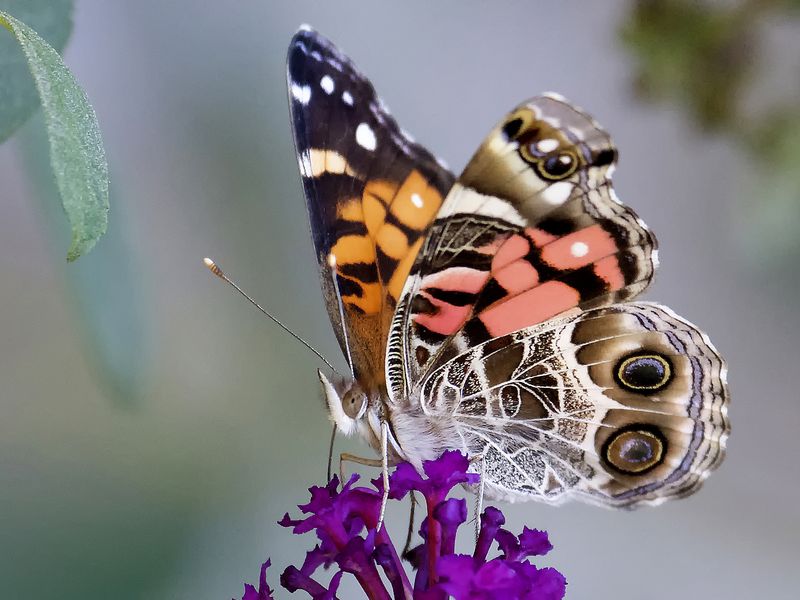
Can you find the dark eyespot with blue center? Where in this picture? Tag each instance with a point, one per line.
(644, 373)
(558, 165)
(635, 449)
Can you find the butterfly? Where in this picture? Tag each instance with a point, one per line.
(492, 312)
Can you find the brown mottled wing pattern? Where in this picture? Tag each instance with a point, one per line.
(622, 406)
(371, 192)
(531, 229)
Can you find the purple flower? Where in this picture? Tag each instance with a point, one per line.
(443, 474)
(263, 592)
(345, 521)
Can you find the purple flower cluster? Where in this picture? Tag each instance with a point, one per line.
(345, 522)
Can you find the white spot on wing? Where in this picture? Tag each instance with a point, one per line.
(347, 98)
(546, 146)
(557, 193)
(301, 93)
(416, 200)
(654, 258)
(365, 137)
(579, 249)
(326, 83)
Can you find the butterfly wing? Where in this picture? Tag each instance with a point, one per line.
(531, 229)
(622, 405)
(371, 194)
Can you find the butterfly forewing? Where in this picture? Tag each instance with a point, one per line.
(371, 194)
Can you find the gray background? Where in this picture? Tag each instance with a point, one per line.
(175, 495)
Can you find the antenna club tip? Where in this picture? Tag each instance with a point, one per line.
(212, 266)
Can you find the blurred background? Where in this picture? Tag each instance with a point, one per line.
(154, 427)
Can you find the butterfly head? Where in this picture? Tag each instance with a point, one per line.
(347, 404)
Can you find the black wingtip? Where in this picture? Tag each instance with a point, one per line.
(305, 32)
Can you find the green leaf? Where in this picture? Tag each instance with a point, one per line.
(51, 19)
(76, 148)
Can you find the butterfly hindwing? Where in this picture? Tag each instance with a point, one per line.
(622, 405)
(532, 228)
(371, 193)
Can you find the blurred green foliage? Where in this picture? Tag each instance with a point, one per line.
(706, 57)
(105, 287)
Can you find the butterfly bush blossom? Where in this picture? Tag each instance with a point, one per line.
(345, 522)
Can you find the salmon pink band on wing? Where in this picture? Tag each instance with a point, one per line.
(512, 249)
(609, 271)
(517, 277)
(529, 308)
(457, 279)
(579, 249)
(446, 318)
(540, 238)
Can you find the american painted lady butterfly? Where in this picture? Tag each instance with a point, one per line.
(491, 313)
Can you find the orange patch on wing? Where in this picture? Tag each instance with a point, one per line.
(374, 213)
(350, 249)
(382, 189)
(416, 202)
(350, 210)
(392, 241)
(529, 308)
(401, 271)
(370, 299)
(579, 249)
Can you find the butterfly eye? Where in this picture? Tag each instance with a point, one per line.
(558, 165)
(644, 373)
(635, 450)
(353, 404)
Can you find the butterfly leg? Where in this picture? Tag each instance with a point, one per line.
(410, 534)
(384, 469)
(479, 496)
(330, 451)
(358, 460)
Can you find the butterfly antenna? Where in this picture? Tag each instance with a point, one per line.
(214, 268)
(335, 279)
